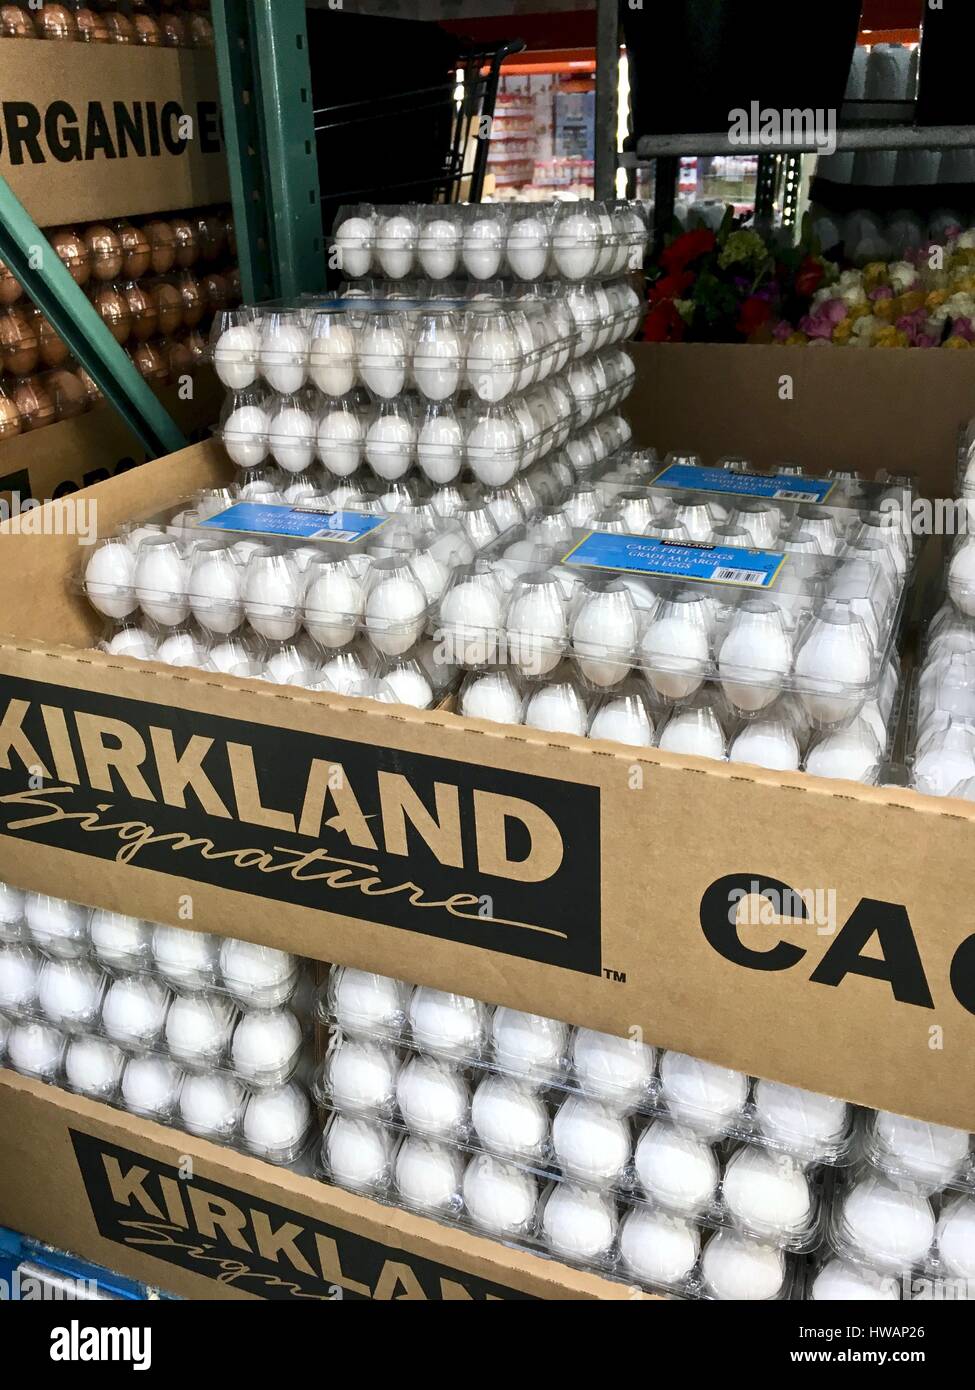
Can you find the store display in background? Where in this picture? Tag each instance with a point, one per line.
(156, 282)
(542, 136)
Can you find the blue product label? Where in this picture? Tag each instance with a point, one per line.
(715, 564)
(306, 523)
(782, 487)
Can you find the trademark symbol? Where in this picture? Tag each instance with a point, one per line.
(618, 977)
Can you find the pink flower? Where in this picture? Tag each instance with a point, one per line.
(882, 292)
(963, 328)
(835, 310)
(925, 340)
(782, 331)
(816, 325)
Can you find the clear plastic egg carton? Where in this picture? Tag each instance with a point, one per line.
(274, 1124)
(878, 539)
(755, 623)
(579, 1140)
(561, 239)
(251, 976)
(564, 1220)
(941, 715)
(201, 1031)
(491, 346)
(896, 1227)
(930, 1158)
(491, 438)
(280, 571)
(384, 1025)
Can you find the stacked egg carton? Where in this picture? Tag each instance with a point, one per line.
(580, 242)
(662, 1170)
(333, 601)
(109, 24)
(941, 759)
(454, 388)
(732, 619)
(169, 1024)
(902, 1223)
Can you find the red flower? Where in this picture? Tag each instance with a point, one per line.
(753, 314)
(671, 286)
(809, 277)
(686, 248)
(664, 324)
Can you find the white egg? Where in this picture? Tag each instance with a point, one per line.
(736, 1268)
(767, 1193)
(272, 594)
(361, 1000)
(276, 1122)
(93, 1066)
(579, 1224)
(494, 363)
(284, 357)
(69, 992)
(576, 246)
(395, 242)
(433, 1098)
(556, 709)
(360, 1076)
(210, 1105)
(440, 448)
(198, 1028)
(134, 1010)
(448, 1023)
(292, 438)
(694, 732)
(428, 1175)
(509, 1118)
(659, 1249)
(437, 363)
(892, 1228)
(390, 444)
(181, 649)
(754, 659)
(841, 1282)
(439, 248)
(527, 248)
(109, 579)
(19, 970)
(499, 1197)
(151, 1085)
(591, 1141)
(357, 1152)
(245, 435)
(494, 450)
(527, 1045)
(215, 589)
(675, 649)
(956, 1238)
(162, 582)
(483, 244)
(57, 927)
(851, 753)
(332, 360)
(932, 1153)
(341, 439)
(833, 665)
(603, 636)
(410, 686)
(383, 360)
(701, 1095)
(333, 604)
(135, 642)
(353, 240)
(618, 1070)
(235, 356)
(493, 696)
(537, 634)
(806, 1123)
(184, 958)
(266, 1045)
(35, 1049)
(676, 1169)
(766, 744)
(961, 576)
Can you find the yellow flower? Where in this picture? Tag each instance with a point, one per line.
(874, 274)
(859, 311)
(884, 308)
(957, 343)
(843, 332)
(910, 302)
(794, 339)
(963, 255)
(890, 337)
(935, 298)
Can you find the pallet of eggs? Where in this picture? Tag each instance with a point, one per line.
(81, 23)
(479, 387)
(651, 1167)
(209, 1036)
(310, 596)
(902, 1221)
(694, 617)
(573, 241)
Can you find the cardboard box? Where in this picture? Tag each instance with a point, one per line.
(77, 453)
(203, 1221)
(107, 130)
(584, 880)
(820, 407)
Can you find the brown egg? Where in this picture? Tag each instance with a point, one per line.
(178, 357)
(197, 345)
(73, 251)
(149, 361)
(230, 231)
(213, 237)
(169, 306)
(34, 401)
(53, 349)
(147, 31)
(142, 307)
(19, 348)
(92, 390)
(55, 22)
(9, 416)
(232, 277)
(14, 24)
(10, 287)
(194, 299)
(199, 31)
(163, 245)
(120, 28)
(173, 30)
(105, 250)
(217, 291)
(113, 306)
(187, 242)
(136, 251)
(91, 26)
(68, 392)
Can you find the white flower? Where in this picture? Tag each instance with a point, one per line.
(903, 276)
(966, 242)
(863, 330)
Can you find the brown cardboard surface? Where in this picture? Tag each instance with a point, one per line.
(849, 408)
(203, 1221)
(61, 150)
(85, 450)
(622, 917)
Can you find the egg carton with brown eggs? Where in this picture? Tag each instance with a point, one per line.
(99, 24)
